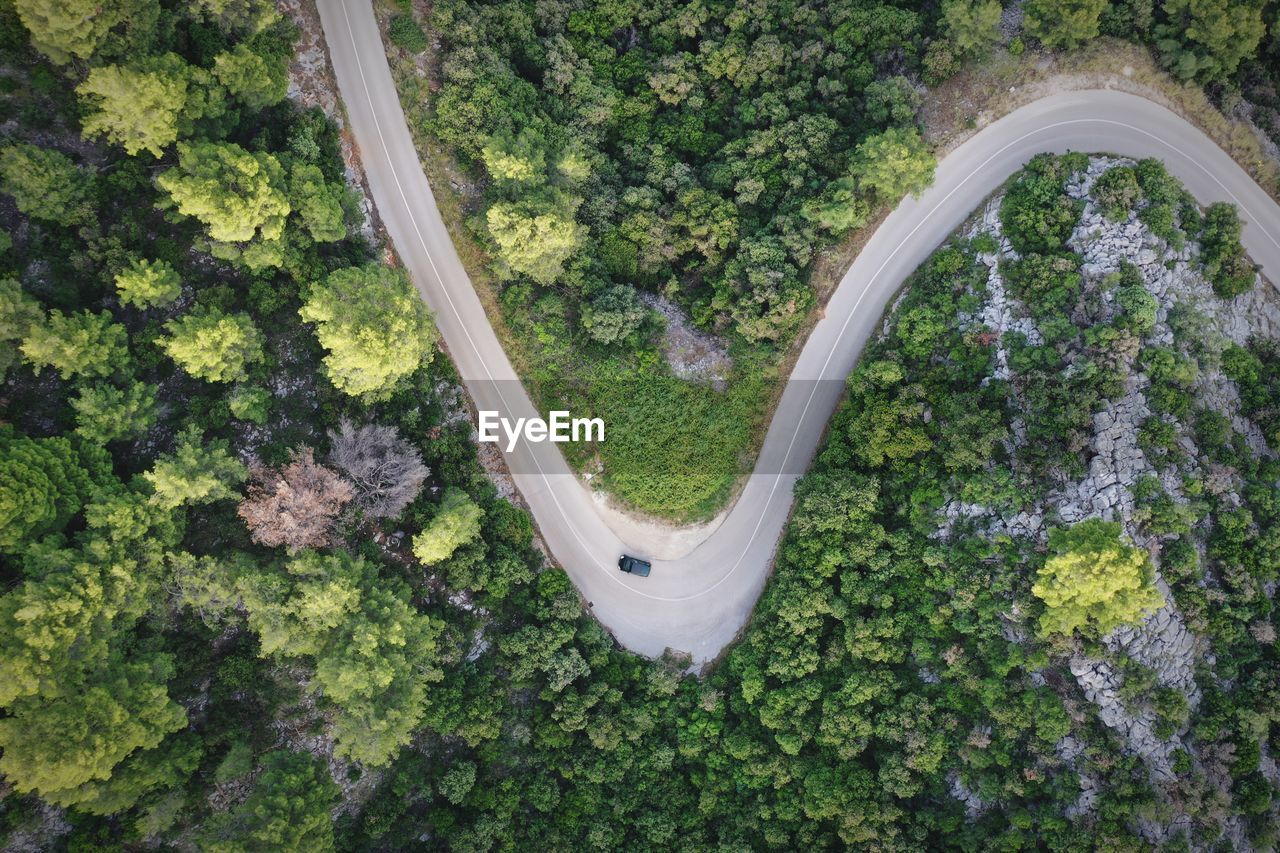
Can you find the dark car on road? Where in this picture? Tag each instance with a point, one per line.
(634, 566)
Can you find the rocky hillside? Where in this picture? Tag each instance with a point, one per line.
(1171, 454)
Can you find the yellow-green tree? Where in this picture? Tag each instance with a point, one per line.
(238, 195)
(196, 472)
(1094, 581)
(80, 344)
(211, 345)
(457, 523)
(136, 109)
(148, 284)
(374, 325)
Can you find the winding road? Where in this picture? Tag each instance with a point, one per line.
(698, 602)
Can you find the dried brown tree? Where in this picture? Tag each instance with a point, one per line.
(295, 506)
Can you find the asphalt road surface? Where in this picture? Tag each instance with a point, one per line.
(699, 602)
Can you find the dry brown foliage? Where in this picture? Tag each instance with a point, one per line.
(295, 506)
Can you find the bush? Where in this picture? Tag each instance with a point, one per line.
(1225, 264)
(1117, 192)
(1037, 214)
(406, 34)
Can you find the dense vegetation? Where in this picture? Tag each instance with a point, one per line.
(709, 153)
(700, 153)
(252, 569)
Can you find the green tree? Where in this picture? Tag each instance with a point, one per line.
(45, 184)
(1207, 40)
(892, 163)
(973, 26)
(1117, 192)
(1063, 23)
(374, 325)
(211, 345)
(456, 523)
(1225, 263)
(535, 237)
(892, 102)
(54, 747)
(1093, 581)
(318, 203)
(238, 195)
(373, 652)
(614, 315)
(105, 413)
(196, 472)
(288, 809)
(18, 313)
(136, 109)
(83, 344)
(246, 16)
(255, 81)
(67, 29)
(148, 284)
(42, 484)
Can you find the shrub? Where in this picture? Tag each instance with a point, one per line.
(1037, 214)
(1117, 192)
(1225, 264)
(406, 34)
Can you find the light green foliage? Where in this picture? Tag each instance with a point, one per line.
(456, 523)
(42, 485)
(56, 747)
(45, 184)
(18, 313)
(196, 472)
(249, 403)
(520, 161)
(105, 413)
(211, 345)
(242, 16)
(893, 163)
(373, 653)
(614, 315)
(973, 26)
(67, 29)
(136, 109)
(534, 238)
(246, 75)
(148, 284)
(82, 344)
(237, 194)
(532, 223)
(318, 203)
(1207, 40)
(1063, 23)
(1093, 581)
(288, 809)
(374, 325)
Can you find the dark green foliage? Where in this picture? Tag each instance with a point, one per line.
(406, 34)
(1225, 264)
(1048, 284)
(1036, 213)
